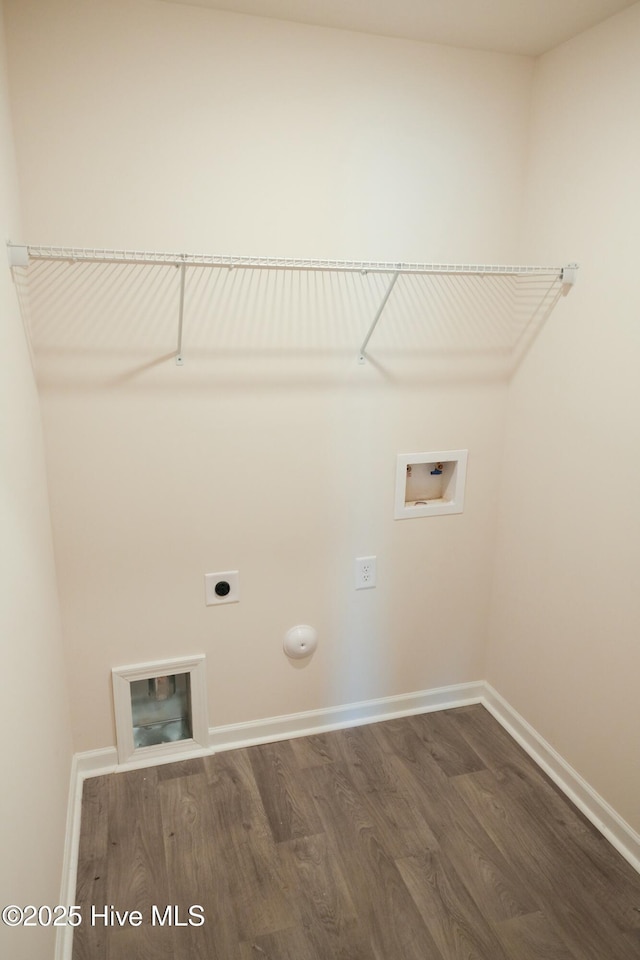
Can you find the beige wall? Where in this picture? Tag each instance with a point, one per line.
(184, 128)
(36, 743)
(271, 451)
(566, 618)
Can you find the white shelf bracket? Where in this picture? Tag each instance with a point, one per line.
(568, 276)
(179, 356)
(361, 355)
(17, 255)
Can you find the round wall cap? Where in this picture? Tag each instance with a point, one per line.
(300, 641)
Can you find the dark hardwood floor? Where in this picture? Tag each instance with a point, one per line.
(428, 838)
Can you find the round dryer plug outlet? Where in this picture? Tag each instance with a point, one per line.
(222, 587)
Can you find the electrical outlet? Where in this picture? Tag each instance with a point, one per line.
(365, 573)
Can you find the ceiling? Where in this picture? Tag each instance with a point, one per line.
(511, 26)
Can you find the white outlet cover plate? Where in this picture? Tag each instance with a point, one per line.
(211, 580)
(365, 573)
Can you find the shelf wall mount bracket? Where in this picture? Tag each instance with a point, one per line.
(362, 354)
(568, 276)
(17, 255)
(179, 354)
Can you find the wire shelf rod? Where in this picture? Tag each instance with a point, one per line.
(95, 255)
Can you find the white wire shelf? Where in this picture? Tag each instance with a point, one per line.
(20, 255)
(96, 255)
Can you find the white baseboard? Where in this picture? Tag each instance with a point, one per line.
(292, 725)
(83, 765)
(70, 858)
(595, 808)
(93, 763)
(617, 831)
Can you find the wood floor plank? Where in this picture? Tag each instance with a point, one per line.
(290, 944)
(458, 927)
(89, 941)
(533, 937)
(180, 769)
(380, 896)
(316, 750)
(248, 852)
(358, 746)
(488, 738)
(453, 754)
(286, 799)
(499, 891)
(585, 852)
(399, 823)
(325, 905)
(575, 910)
(500, 753)
(497, 888)
(193, 856)
(137, 875)
(521, 779)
